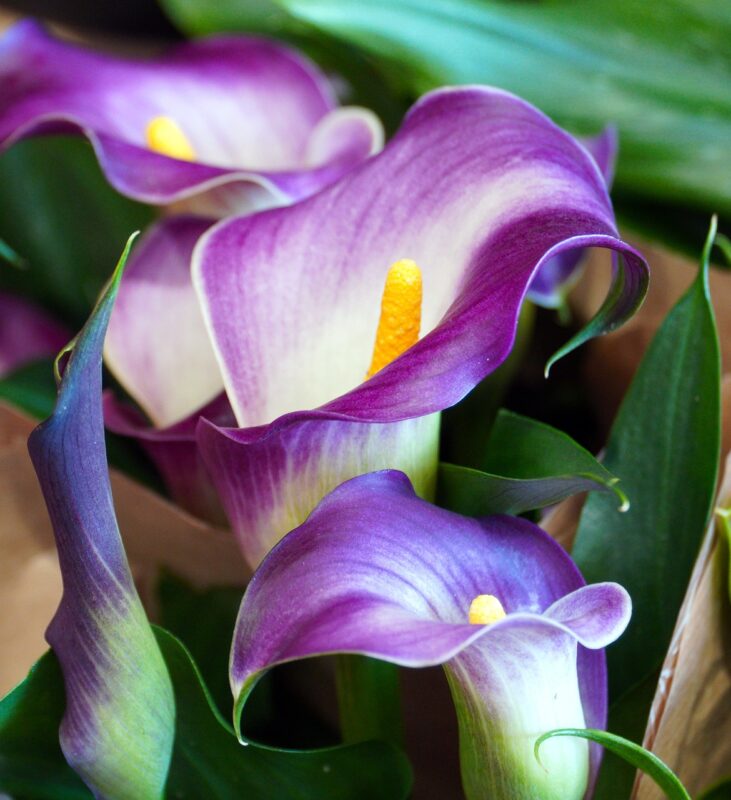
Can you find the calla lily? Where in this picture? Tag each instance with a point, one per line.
(234, 122)
(377, 571)
(27, 332)
(473, 195)
(156, 295)
(117, 731)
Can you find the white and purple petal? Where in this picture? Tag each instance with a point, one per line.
(479, 188)
(255, 113)
(376, 570)
(157, 345)
(118, 727)
(269, 481)
(27, 332)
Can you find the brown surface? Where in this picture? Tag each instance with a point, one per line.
(156, 534)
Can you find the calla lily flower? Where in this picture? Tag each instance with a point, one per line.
(156, 294)
(343, 324)
(27, 333)
(117, 731)
(233, 122)
(377, 571)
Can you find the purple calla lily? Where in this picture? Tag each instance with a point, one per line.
(234, 122)
(480, 190)
(27, 332)
(376, 570)
(118, 727)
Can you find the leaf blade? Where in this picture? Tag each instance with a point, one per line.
(529, 465)
(632, 753)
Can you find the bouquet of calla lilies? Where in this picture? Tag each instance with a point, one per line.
(376, 386)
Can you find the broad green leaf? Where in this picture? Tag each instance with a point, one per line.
(187, 613)
(208, 762)
(31, 388)
(665, 444)
(633, 753)
(530, 465)
(31, 762)
(661, 78)
(61, 217)
(369, 699)
(8, 254)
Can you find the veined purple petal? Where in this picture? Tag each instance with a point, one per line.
(118, 728)
(378, 571)
(175, 453)
(479, 188)
(157, 345)
(249, 107)
(269, 481)
(555, 277)
(27, 332)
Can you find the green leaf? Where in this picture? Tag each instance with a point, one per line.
(584, 62)
(369, 699)
(31, 388)
(31, 762)
(61, 216)
(209, 762)
(627, 718)
(271, 716)
(8, 254)
(530, 465)
(665, 444)
(187, 612)
(635, 755)
(207, 759)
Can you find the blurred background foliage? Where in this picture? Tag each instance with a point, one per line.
(660, 72)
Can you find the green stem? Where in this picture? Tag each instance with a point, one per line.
(369, 699)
